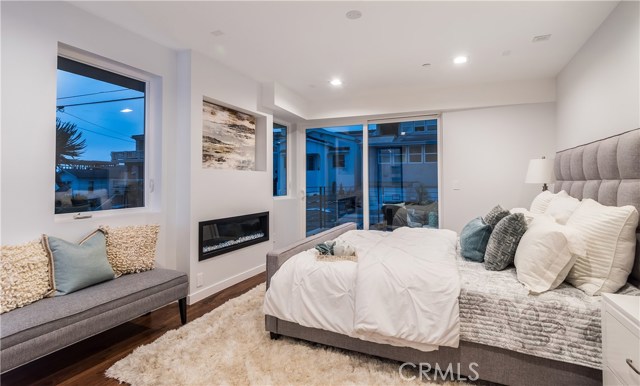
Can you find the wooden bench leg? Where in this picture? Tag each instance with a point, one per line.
(182, 303)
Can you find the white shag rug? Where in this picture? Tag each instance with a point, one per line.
(229, 346)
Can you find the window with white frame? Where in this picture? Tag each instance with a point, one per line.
(414, 154)
(391, 156)
(100, 138)
(431, 152)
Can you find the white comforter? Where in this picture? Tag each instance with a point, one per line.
(402, 291)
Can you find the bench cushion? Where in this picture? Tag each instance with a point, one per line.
(51, 314)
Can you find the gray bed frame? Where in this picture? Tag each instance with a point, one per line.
(607, 171)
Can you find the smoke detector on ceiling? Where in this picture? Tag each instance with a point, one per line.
(354, 14)
(541, 38)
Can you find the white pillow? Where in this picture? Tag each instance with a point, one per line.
(546, 253)
(542, 200)
(610, 234)
(561, 208)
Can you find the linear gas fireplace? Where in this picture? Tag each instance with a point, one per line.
(228, 234)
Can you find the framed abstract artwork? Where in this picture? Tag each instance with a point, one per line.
(228, 138)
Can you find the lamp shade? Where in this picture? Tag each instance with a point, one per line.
(540, 171)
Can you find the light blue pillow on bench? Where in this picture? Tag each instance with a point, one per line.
(76, 266)
(474, 238)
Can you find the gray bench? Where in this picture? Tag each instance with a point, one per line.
(51, 324)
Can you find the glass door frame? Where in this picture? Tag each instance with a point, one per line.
(364, 121)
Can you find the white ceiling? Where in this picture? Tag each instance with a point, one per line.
(302, 45)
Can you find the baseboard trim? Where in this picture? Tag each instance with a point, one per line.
(195, 297)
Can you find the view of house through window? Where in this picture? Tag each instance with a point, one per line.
(403, 174)
(100, 139)
(402, 160)
(279, 160)
(334, 177)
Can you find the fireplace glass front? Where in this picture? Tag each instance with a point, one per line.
(228, 234)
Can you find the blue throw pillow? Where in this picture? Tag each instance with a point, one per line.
(76, 266)
(474, 238)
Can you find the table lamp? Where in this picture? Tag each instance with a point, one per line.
(540, 171)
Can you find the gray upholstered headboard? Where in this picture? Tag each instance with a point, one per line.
(607, 171)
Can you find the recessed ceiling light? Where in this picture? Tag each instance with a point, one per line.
(217, 33)
(460, 59)
(126, 110)
(335, 82)
(354, 14)
(541, 38)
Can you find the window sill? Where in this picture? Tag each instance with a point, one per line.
(282, 198)
(107, 214)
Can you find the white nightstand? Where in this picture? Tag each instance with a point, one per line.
(621, 339)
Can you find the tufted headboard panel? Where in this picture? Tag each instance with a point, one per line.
(607, 171)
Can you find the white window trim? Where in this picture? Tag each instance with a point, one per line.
(152, 132)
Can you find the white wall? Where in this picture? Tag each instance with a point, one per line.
(598, 92)
(185, 192)
(216, 193)
(485, 157)
(287, 225)
(30, 35)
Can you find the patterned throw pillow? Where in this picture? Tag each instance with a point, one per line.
(474, 238)
(25, 275)
(77, 266)
(495, 215)
(131, 249)
(503, 242)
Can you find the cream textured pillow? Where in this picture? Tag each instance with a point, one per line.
(610, 234)
(131, 249)
(25, 275)
(542, 200)
(546, 253)
(561, 208)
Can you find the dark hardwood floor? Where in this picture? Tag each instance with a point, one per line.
(84, 363)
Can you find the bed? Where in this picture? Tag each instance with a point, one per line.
(514, 338)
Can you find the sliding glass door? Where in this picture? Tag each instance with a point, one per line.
(398, 168)
(403, 174)
(334, 177)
